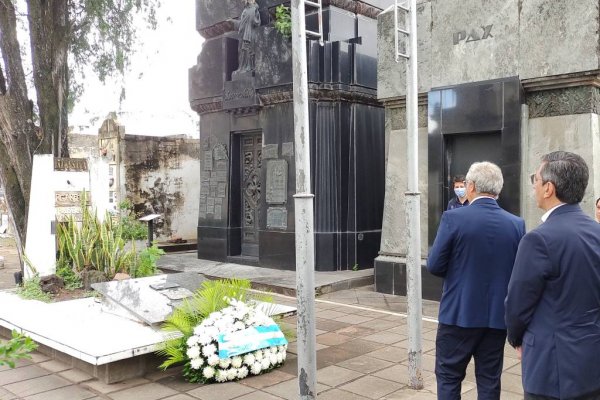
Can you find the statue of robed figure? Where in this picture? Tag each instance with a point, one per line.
(246, 26)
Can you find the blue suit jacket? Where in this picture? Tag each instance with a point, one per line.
(474, 252)
(553, 305)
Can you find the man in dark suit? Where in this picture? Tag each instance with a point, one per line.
(474, 252)
(553, 302)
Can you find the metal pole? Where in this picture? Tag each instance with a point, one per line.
(303, 206)
(413, 217)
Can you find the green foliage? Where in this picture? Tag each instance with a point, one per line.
(93, 245)
(132, 228)
(71, 279)
(146, 262)
(283, 21)
(355, 267)
(31, 290)
(103, 36)
(212, 296)
(15, 349)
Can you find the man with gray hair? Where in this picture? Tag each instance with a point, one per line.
(553, 301)
(474, 252)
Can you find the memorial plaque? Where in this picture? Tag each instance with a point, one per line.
(71, 164)
(221, 165)
(277, 176)
(64, 214)
(220, 152)
(221, 189)
(221, 176)
(71, 199)
(270, 151)
(277, 218)
(287, 149)
(218, 201)
(204, 188)
(240, 93)
(218, 212)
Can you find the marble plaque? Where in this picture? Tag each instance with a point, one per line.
(277, 177)
(141, 300)
(71, 198)
(221, 188)
(277, 218)
(71, 164)
(270, 151)
(218, 212)
(287, 149)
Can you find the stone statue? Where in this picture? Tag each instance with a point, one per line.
(246, 26)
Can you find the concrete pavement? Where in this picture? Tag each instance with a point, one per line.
(361, 354)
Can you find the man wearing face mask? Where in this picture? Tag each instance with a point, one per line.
(461, 193)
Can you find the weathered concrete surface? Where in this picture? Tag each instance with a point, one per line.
(394, 235)
(557, 37)
(525, 38)
(279, 281)
(577, 133)
(477, 57)
(8, 250)
(391, 76)
(161, 177)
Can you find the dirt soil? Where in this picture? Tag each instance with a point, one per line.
(65, 294)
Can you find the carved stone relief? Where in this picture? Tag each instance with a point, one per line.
(565, 101)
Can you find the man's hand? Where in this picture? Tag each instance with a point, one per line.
(519, 352)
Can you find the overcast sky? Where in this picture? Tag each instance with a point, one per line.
(156, 86)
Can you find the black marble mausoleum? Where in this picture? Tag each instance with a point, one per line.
(242, 89)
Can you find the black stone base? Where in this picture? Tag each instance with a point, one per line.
(390, 278)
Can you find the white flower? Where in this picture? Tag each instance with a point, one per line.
(242, 372)
(283, 355)
(199, 331)
(279, 358)
(256, 368)
(249, 359)
(193, 352)
(213, 360)
(232, 374)
(196, 363)
(221, 375)
(208, 372)
(204, 340)
(273, 358)
(236, 362)
(239, 326)
(274, 349)
(192, 340)
(258, 354)
(265, 363)
(224, 363)
(209, 350)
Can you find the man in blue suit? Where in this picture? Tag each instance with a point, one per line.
(474, 252)
(553, 302)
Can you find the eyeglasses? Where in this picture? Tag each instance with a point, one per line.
(532, 177)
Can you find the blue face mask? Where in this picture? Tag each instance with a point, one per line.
(460, 192)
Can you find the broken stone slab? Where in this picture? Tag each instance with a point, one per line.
(150, 300)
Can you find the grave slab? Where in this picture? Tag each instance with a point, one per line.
(149, 299)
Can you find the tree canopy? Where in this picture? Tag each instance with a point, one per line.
(66, 39)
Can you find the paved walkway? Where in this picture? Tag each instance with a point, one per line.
(361, 354)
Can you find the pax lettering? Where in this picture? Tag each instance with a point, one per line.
(482, 33)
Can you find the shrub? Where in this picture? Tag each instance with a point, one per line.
(15, 349)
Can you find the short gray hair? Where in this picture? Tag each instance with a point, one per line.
(487, 177)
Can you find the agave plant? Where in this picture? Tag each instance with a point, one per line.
(212, 296)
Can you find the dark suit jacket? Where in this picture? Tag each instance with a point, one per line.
(474, 252)
(553, 305)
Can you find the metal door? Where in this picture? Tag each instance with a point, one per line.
(251, 191)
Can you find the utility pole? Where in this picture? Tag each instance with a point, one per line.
(413, 196)
(303, 205)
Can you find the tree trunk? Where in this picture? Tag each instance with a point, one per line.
(18, 133)
(49, 32)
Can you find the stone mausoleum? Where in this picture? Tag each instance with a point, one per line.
(499, 80)
(242, 89)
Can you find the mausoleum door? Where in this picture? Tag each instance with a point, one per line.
(250, 191)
